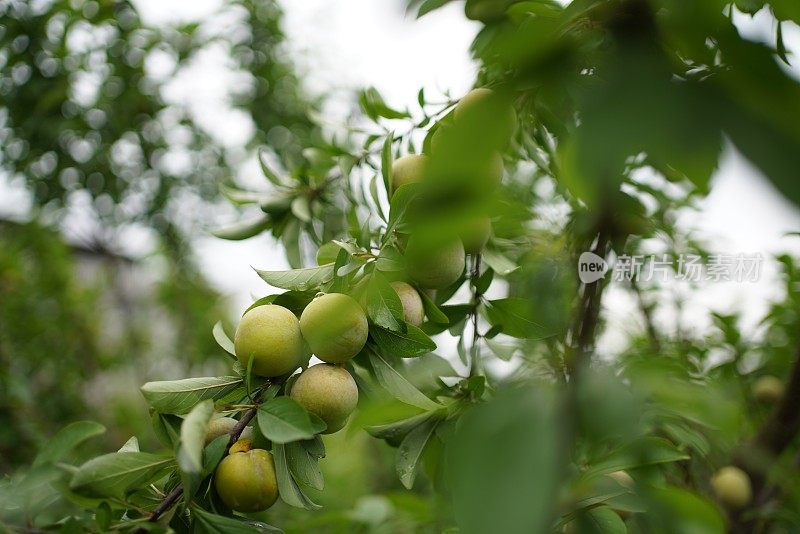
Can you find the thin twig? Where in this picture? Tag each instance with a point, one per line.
(173, 496)
(474, 364)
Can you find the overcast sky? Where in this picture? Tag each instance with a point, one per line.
(344, 45)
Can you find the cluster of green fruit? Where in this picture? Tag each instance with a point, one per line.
(272, 342)
(438, 263)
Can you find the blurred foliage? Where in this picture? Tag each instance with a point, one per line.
(83, 111)
(85, 125)
(54, 349)
(87, 336)
(604, 123)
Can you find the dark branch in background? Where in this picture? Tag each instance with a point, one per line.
(775, 436)
(583, 331)
(173, 496)
(474, 366)
(647, 313)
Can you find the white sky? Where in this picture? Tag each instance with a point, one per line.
(341, 46)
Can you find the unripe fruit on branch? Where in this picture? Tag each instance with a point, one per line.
(476, 235)
(269, 334)
(732, 487)
(768, 389)
(413, 310)
(484, 110)
(435, 264)
(327, 391)
(222, 426)
(246, 481)
(335, 327)
(408, 170)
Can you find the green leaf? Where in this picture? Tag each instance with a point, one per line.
(298, 279)
(269, 174)
(206, 522)
(132, 445)
(430, 5)
(222, 339)
(505, 462)
(396, 384)
(376, 200)
(646, 451)
(303, 465)
(117, 473)
(282, 420)
(213, 454)
(244, 229)
(301, 209)
(414, 342)
(502, 351)
(599, 520)
(514, 316)
(288, 489)
(386, 164)
(498, 262)
(410, 451)
(390, 260)
(180, 396)
(384, 307)
(239, 196)
(432, 311)
(680, 510)
(66, 440)
(396, 431)
(190, 450)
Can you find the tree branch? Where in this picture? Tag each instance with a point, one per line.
(588, 315)
(173, 496)
(474, 364)
(777, 433)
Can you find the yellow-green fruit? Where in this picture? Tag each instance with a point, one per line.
(435, 265)
(732, 486)
(413, 311)
(768, 389)
(476, 235)
(220, 426)
(408, 169)
(246, 481)
(335, 327)
(270, 335)
(327, 253)
(329, 392)
(483, 110)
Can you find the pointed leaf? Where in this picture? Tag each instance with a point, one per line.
(66, 440)
(282, 420)
(117, 473)
(298, 279)
(396, 384)
(180, 396)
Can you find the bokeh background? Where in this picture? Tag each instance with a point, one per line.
(113, 148)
